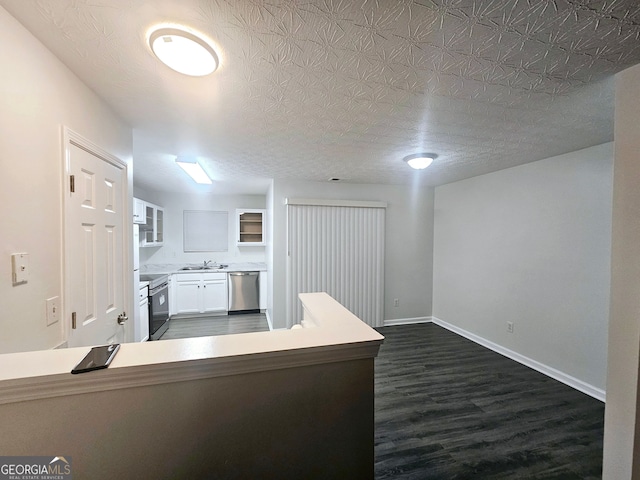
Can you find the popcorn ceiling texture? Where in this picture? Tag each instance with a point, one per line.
(341, 88)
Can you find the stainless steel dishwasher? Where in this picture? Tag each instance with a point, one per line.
(244, 292)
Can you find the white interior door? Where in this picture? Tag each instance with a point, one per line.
(95, 218)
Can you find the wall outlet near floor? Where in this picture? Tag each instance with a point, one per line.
(396, 302)
(510, 327)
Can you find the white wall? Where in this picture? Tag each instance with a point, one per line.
(621, 429)
(174, 204)
(38, 95)
(531, 245)
(269, 251)
(408, 242)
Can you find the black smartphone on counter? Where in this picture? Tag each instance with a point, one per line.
(97, 358)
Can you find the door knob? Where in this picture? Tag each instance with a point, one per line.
(122, 318)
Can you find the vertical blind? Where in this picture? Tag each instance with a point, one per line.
(338, 250)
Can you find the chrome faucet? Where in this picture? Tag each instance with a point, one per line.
(206, 262)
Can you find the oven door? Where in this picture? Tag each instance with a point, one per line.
(158, 311)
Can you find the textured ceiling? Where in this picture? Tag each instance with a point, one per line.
(340, 88)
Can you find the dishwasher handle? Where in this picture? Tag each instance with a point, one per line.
(235, 274)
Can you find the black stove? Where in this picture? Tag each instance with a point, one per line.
(154, 279)
(158, 304)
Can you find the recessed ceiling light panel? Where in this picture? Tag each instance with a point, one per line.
(420, 161)
(194, 170)
(183, 51)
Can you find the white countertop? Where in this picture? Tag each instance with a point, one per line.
(171, 268)
(334, 334)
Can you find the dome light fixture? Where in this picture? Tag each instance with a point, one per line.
(183, 51)
(420, 161)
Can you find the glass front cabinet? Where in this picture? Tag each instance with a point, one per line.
(152, 229)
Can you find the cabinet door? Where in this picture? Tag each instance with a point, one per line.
(152, 233)
(187, 296)
(214, 295)
(144, 321)
(159, 226)
(148, 237)
(139, 211)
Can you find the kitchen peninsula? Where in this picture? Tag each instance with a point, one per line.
(295, 403)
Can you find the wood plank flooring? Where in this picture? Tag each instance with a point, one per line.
(215, 325)
(447, 408)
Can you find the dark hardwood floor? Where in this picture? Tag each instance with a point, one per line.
(215, 325)
(447, 408)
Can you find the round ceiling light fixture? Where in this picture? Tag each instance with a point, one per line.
(183, 51)
(420, 161)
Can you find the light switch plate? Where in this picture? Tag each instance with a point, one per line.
(20, 267)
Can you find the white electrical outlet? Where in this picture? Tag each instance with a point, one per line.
(510, 327)
(53, 310)
(20, 268)
(396, 302)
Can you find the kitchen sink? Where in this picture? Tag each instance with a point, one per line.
(208, 267)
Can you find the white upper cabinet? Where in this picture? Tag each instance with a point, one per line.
(138, 211)
(152, 229)
(250, 227)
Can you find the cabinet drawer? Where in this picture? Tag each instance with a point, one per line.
(188, 277)
(144, 293)
(214, 276)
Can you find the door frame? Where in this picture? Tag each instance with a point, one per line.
(70, 137)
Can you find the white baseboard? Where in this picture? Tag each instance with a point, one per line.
(406, 321)
(573, 382)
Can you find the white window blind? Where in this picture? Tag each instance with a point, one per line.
(338, 250)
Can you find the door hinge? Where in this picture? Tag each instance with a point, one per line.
(72, 183)
(73, 320)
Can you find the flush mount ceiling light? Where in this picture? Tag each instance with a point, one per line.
(184, 52)
(194, 170)
(420, 161)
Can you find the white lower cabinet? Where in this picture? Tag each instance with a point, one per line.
(200, 293)
(187, 295)
(214, 294)
(141, 330)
